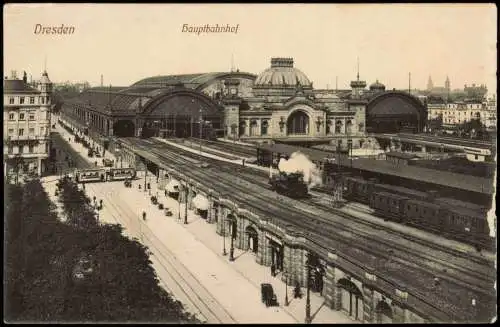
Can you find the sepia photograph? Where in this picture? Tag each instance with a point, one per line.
(250, 163)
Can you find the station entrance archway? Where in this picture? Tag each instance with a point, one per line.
(384, 313)
(253, 239)
(124, 128)
(351, 299)
(298, 123)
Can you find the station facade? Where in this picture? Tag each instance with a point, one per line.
(278, 105)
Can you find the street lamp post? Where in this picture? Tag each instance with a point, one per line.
(286, 289)
(179, 201)
(186, 206)
(224, 238)
(231, 250)
(308, 299)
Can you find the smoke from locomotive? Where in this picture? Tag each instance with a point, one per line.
(300, 163)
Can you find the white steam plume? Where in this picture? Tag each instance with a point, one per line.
(300, 163)
(200, 202)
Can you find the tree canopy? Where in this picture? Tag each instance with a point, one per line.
(76, 271)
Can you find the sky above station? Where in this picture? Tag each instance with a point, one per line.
(128, 42)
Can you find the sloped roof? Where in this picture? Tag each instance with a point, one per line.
(391, 106)
(17, 86)
(401, 155)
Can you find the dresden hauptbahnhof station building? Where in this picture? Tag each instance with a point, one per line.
(278, 105)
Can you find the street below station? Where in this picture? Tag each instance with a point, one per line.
(188, 258)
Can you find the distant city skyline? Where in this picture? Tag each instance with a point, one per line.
(142, 40)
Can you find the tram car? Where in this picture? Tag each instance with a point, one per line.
(291, 185)
(90, 175)
(115, 174)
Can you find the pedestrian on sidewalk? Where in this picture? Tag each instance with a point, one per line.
(297, 293)
(273, 270)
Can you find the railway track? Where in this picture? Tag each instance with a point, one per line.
(229, 148)
(347, 229)
(442, 139)
(179, 276)
(260, 178)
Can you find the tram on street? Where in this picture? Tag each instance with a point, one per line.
(90, 175)
(115, 174)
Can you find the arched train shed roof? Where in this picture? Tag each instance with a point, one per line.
(182, 102)
(394, 103)
(148, 100)
(194, 81)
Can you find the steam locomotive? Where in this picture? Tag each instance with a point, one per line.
(456, 220)
(291, 184)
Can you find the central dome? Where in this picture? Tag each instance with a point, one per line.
(283, 74)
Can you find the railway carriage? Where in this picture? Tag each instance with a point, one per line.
(357, 189)
(115, 174)
(466, 225)
(424, 214)
(90, 175)
(388, 205)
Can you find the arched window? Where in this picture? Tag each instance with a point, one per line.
(348, 126)
(254, 127)
(328, 126)
(338, 126)
(243, 125)
(264, 127)
(298, 123)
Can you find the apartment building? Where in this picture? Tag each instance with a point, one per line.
(26, 118)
